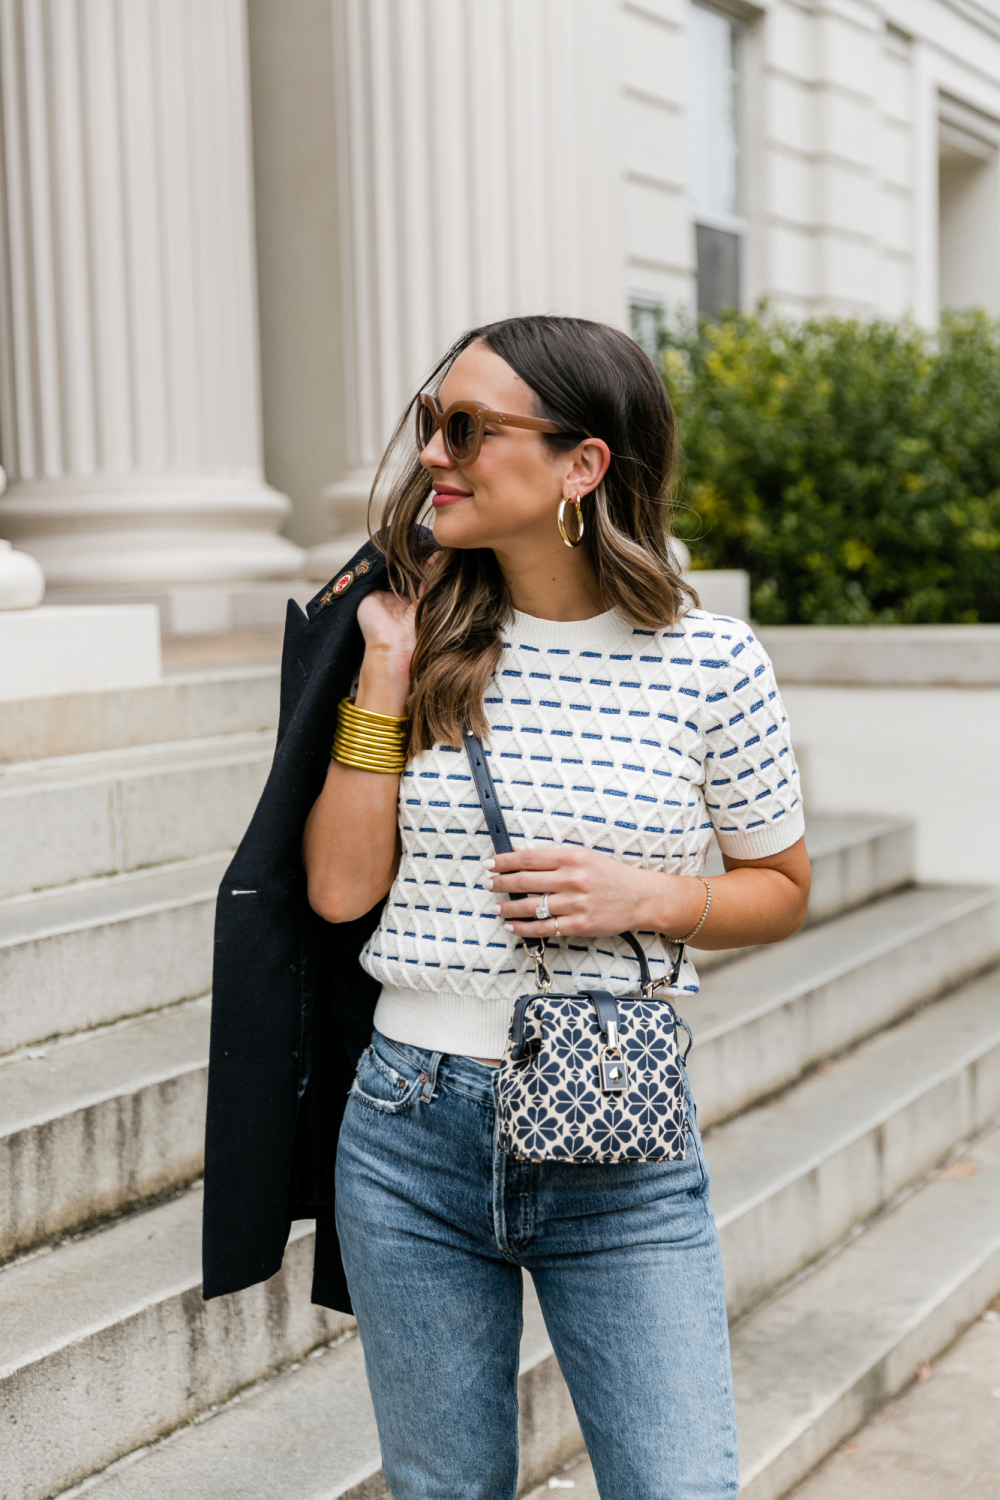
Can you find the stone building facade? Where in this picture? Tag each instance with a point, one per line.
(236, 233)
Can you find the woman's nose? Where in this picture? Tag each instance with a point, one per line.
(435, 455)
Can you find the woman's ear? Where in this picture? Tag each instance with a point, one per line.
(589, 466)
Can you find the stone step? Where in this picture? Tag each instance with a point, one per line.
(763, 1019)
(99, 951)
(100, 1121)
(809, 1366)
(97, 1174)
(854, 859)
(792, 1177)
(189, 706)
(83, 816)
(107, 1344)
(76, 956)
(812, 1364)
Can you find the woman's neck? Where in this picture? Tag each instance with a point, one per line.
(553, 587)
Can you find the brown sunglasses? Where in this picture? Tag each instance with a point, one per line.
(463, 424)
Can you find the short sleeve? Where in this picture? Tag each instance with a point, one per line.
(752, 789)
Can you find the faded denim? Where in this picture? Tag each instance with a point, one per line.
(435, 1227)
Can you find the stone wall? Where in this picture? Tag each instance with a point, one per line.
(902, 721)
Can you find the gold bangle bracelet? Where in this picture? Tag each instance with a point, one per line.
(342, 747)
(372, 732)
(367, 741)
(377, 746)
(364, 763)
(351, 712)
(370, 742)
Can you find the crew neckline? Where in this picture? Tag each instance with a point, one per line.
(600, 631)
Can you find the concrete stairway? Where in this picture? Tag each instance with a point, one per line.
(840, 1077)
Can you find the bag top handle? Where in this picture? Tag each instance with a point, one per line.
(486, 792)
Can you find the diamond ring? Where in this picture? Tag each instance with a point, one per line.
(542, 910)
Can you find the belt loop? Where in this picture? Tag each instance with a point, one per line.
(430, 1082)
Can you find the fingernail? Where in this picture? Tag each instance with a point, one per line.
(490, 864)
(488, 883)
(497, 909)
(509, 926)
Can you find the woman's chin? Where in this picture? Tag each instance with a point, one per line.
(453, 531)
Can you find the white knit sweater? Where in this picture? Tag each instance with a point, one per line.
(637, 743)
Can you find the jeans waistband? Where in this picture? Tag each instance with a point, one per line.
(447, 1068)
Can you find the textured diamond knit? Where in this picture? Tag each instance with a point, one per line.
(637, 743)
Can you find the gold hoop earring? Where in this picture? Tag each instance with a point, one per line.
(573, 500)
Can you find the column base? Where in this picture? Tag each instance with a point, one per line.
(110, 530)
(22, 582)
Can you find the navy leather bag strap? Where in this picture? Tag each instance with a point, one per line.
(606, 1008)
(486, 792)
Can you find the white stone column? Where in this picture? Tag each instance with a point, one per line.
(477, 178)
(848, 39)
(129, 403)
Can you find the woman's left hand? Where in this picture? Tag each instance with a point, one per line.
(590, 894)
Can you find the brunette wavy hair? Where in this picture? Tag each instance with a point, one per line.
(594, 381)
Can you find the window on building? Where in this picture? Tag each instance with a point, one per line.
(715, 158)
(647, 321)
(969, 208)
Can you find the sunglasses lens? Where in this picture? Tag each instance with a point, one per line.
(461, 434)
(425, 427)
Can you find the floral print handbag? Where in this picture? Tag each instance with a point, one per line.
(591, 1076)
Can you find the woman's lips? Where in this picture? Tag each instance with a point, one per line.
(446, 496)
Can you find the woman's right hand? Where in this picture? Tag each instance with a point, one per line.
(388, 626)
(387, 622)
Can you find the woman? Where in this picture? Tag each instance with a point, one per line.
(623, 726)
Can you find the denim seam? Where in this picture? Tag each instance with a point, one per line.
(408, 1061)
(454, 1088)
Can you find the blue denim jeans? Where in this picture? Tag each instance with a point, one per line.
(436, 1225)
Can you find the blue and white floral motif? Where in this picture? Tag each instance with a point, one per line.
(552, 1107)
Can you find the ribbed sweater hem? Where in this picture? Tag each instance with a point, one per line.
(770, 838)
(444, 1021)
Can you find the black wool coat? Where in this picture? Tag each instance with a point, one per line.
(291, 1006)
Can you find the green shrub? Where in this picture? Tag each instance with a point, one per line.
(853, 469)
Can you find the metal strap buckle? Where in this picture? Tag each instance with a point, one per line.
(668, 979)
(543, 979)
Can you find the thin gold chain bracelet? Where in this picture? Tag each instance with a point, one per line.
(701, 921)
